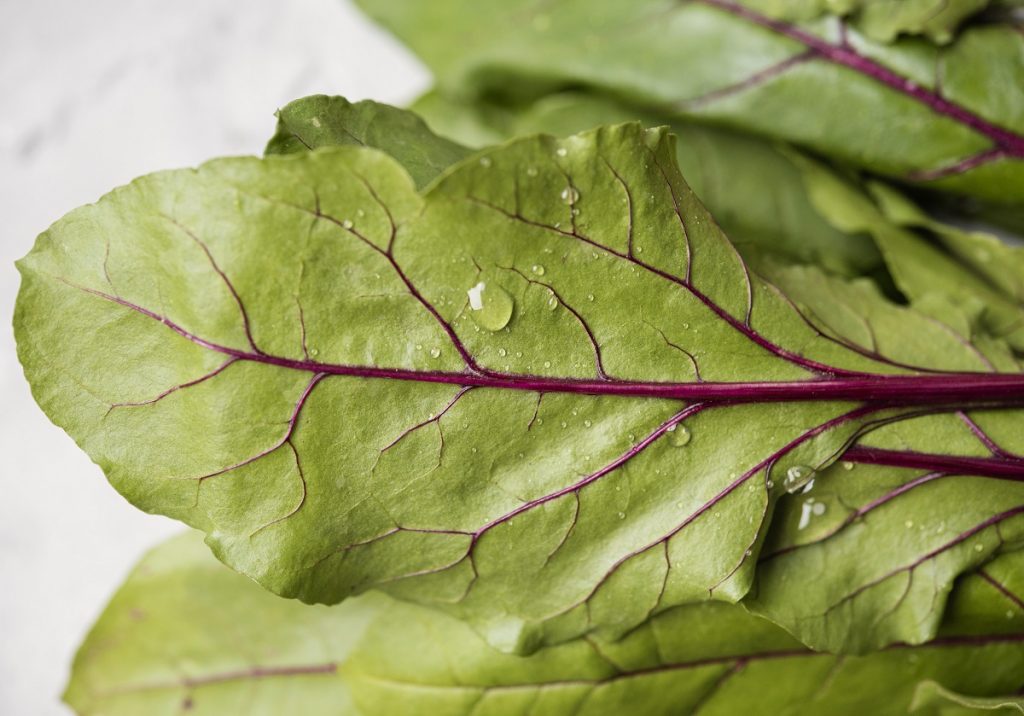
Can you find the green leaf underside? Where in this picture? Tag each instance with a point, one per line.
(286, 353)
(374, 656)
(946, 117)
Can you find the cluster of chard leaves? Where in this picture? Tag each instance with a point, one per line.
(598, 400)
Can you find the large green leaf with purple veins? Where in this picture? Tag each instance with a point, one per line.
(545, 394)
(948, 118)
(371, 656)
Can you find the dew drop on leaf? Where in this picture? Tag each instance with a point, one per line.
(561, 151)
(622, 515)
(796, 477)
(346, 224)
(537, 269)
(570, 195)
(435, 352)
(847, 465)
(490, 306)
(485, 162)
(679, 435)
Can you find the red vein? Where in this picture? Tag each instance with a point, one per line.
(1002, 588)
(1008, 141)
(1007, 468)
(224, 277)
(750, 82)
(181, 386)
(971, 388)
(992, 521)
(597, 475)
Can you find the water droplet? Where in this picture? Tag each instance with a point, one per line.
(679, 435)
(796, 477)
(590, 297)
(908, 524)
(485, 162)
(769, 484)
(639, 249)
(537, 269)
(570, 195)
(435, 352)
(679, 505)
(847, 465)
(979, 548)
(552, 302)
(587, 423)
(561, 151)
(419, 346)
(749, 552)
(819, 508)
(472, 450)
(491, 306)
(1009, 614)
(547, 364)
(502, 352)
(622, 515)
(347, 224)
(564, 423)
(314, 351)
(531, 171)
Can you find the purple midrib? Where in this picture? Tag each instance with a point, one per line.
(966, 388)
(1010, 142)
(1009, 468)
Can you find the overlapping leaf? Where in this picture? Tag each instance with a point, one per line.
(227, 647)
(533, 395)
(947, 117)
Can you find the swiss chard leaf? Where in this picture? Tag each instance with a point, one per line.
(947, 118)
(372, 656)
(545, 394)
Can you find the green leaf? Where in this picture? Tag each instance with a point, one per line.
(755, 191)
(545, 394)
(948, 118)
(882, 20)
(173, 636)
(322, 121)
(974, 272)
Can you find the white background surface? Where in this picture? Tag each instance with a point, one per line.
(93, 94)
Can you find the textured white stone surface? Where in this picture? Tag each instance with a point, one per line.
(93, 94)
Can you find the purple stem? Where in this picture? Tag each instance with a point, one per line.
(967, 388)
(1007, 468)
